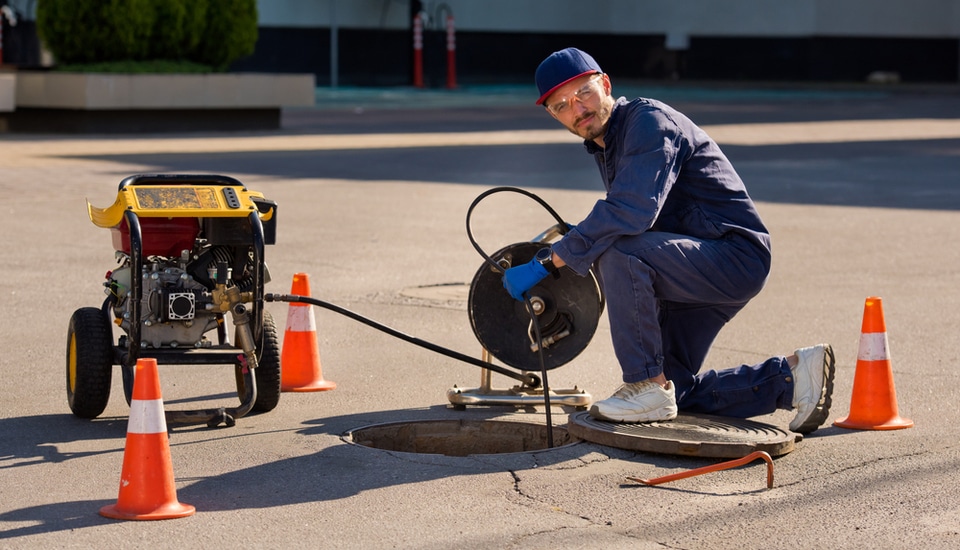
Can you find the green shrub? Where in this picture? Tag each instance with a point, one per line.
(207, 32)
(59, 23)
(138, 67)
(231, 32)
(84, 31)
(177, 28)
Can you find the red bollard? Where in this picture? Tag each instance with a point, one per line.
(451, 54)
(418, 51)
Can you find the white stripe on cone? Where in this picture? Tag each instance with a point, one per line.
(874, 347)
(301, 319)
(146, 417)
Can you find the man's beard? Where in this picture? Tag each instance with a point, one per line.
(596, 129)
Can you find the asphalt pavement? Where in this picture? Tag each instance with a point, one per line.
(858, 186)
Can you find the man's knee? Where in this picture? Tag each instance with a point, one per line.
(616, 267)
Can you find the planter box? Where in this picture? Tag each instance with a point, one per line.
(102, 102)
(8, 87)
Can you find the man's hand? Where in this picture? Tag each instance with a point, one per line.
(518, 280)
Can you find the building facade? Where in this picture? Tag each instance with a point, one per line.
(371, 42)
(503, 40)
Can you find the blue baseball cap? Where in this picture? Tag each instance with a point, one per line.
(562, 67)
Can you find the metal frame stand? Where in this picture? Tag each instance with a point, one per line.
(518, 396)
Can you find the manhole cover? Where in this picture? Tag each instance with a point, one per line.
(458, 437)
(687, 435)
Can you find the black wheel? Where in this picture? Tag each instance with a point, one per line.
(89, 362)
(268, 368)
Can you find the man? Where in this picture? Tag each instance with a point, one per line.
(679, 249)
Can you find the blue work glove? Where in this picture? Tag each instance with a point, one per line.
(522, 278)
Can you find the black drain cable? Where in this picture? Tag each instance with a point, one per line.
(562, 227)
(528, 379)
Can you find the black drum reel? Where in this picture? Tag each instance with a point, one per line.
(568, 308)
(553, 324)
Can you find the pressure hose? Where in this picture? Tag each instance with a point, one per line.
(528, 379)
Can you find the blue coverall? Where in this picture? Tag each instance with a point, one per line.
(679, 249)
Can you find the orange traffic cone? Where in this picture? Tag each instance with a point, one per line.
(874, 402)
(300, 356)
(146, 480)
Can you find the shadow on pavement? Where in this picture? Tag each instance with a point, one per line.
(901, 174)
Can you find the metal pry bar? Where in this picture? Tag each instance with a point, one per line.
(714, 468)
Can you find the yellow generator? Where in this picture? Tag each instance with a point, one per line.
(189, 250)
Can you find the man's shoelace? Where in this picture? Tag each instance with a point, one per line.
(627, 391)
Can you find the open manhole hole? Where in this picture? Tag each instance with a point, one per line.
(458, 437)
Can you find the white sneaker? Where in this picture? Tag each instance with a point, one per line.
(638, 402)
(812, 387)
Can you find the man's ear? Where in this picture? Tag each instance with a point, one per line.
(607, 87)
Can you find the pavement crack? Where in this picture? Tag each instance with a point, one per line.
(518, 490)
(516, 485)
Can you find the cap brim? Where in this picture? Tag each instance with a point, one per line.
(551, 90)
